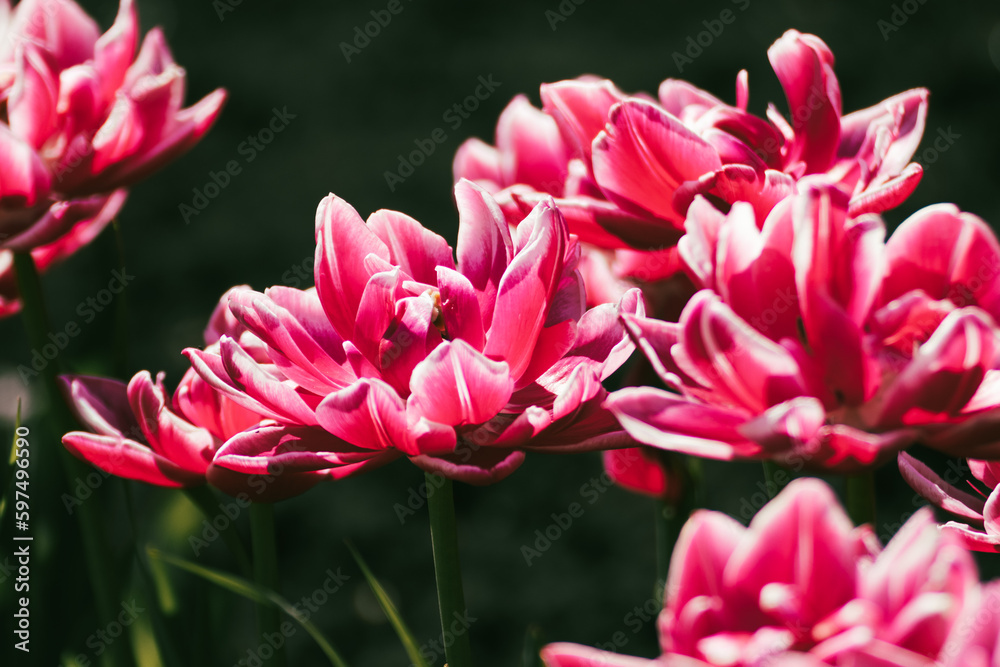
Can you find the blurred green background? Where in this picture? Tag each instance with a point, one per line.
(351, 121)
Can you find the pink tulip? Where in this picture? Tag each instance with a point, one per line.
(816, 344)
(461, 366)
(801, 586)
(980, 515)
(625, 168)
(84, 117)
(138, 432)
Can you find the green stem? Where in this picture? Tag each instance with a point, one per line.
(96, 554)
(447, 571)
(265, 571)
(861, 498)
(775, 478)
(666, 528)
(121, 310)
(208, 505)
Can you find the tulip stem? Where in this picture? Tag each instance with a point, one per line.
(96, 554)
(775, 478)
(265, 571)
(667, 522)
(209, 506)
(861, 498)
(447, 571)
(121, 309)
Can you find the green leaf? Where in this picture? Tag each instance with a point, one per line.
(252, 591)
(7, 466)
(390, 611)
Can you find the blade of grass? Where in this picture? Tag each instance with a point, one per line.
(254, 592)
(390, 611)
(7, 465)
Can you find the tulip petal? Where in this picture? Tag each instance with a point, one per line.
(456, 385)
(412, 247)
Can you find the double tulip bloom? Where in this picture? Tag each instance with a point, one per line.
(624, 169)
(800, 587)
(401, 351)
(84, 116)
(816, 344)
(139, 432)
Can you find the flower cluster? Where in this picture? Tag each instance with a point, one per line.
(81, 117)
(624, 169)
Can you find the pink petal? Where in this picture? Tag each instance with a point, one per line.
(580, 109)
(484, 245)
(368, 414)
(114, 50)
(31, 105)
(804, 65)
(948, 254)
(128, 459)
(531, 148)
(939, 492)
(945, 372)
(100, 404)
(475, 160)
(638, 470)
(575, 655)
(288, 450)
(667, 421)
(342, 243)
(24, 181)
(525, 292)
(277, 395)
(482, 467)
(414, 249)
(644, 155)
(182, 443)
(460, 308)
(456, 385)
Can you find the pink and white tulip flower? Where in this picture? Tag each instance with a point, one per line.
(980, 515)
(815, 343)
(139, 432)
(801, 587)
(625, 168)
(83, 116)
(461, 366)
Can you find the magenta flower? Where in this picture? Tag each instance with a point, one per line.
(800, 586)
(980, 524)
(624, 169)
(815, 343)
(83, 117)
(459, 366)
(139, 432)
